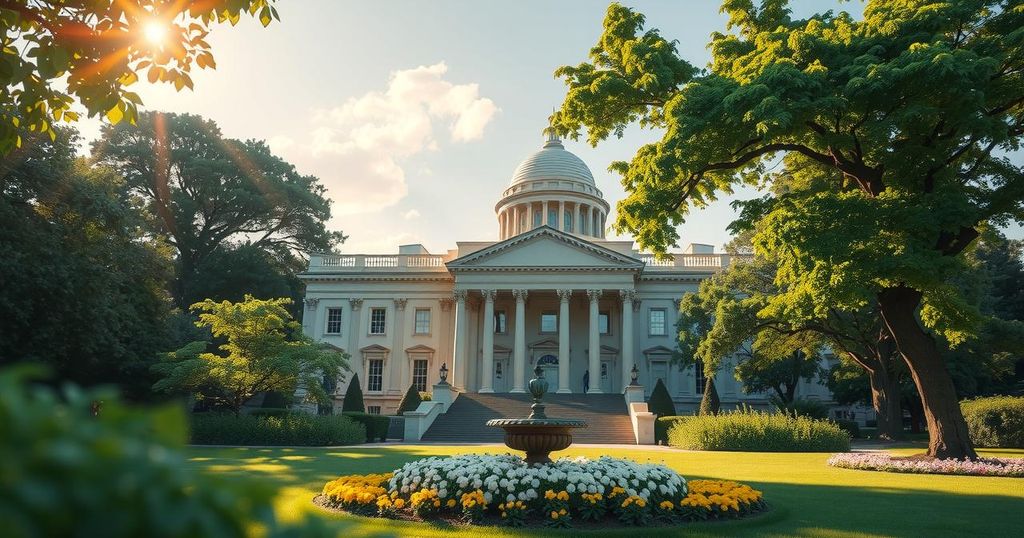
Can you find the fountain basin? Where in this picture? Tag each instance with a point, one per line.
(538, 437)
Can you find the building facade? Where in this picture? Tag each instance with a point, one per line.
(552, 291)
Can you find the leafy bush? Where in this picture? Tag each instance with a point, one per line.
(293, 429)
(660, 403)
(804, 408)
(353, 402)
(997, 421)
(755, 431)
(410, 401)
(849, 426)
(426, 396)
(68, 470)
(662, 425)
(273, 412)
(376, 425)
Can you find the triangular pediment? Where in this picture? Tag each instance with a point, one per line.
(545, 247)
(658, 350)
(545, 343)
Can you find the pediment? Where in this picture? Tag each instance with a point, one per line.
(374, 348)
(546, 343)
(548, 248)
(658, 350)
(419, 348)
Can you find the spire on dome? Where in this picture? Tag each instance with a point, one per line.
(551, 138)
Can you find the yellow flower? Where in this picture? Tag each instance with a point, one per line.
(554, 515)
(451, 503)
(561, 512)
(563, 495)
(549, 494)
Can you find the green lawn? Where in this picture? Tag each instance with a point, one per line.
(808, 498)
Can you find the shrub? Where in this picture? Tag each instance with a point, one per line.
(273, 412)
(70, 469)
(804, 408)
(755, 431)
(997, 421)
(660, 402)
(662, 425)
(410, 401)
(293, 429)
(849, 426)
(376, 425)
(426, 396)
(710, 404)
(353, 402)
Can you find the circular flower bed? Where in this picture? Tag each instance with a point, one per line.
(488, 489)
(874, 461)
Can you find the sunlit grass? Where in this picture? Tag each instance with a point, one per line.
(808, 497)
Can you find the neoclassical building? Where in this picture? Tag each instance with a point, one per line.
(552, 291)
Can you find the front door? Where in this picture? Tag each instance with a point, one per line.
(549, 365)
(501, 376)
(659, 370)
(606, 377)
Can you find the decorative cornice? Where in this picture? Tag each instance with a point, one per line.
(373, 277)
(311, 303)
(564, 295)
(355, 303)
(628, 262)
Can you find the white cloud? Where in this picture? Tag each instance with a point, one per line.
(358, 148)
(411, 214)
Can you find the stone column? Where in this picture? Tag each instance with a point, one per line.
(519, 347)
(590, 222)
(461, 323)
(563, 341)
(544, 213)
(560, 221)
(399, 359)
(628, 298)
(576, 219)
(353, 341)
(594, 343)
(487, 366)
(515, 225)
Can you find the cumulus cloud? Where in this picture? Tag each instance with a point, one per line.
(411, 214)
(357, 148)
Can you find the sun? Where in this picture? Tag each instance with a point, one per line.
(155, 32)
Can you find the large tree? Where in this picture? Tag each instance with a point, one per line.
(909, 108)
(207, 192)
(57, 53)
(83, 291)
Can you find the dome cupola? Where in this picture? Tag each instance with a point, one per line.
(552, 187)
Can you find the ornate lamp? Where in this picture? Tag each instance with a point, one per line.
(634, 374)
(444, 373)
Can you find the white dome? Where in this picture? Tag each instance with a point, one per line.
(552, 162)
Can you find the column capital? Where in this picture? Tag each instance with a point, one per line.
(356, 303)
(400, 303)
(488, 295)
(520, 294)
(594, 295)
(629, 298)
(564, 295)
(311, 303)
(446, 304)
(676, 303)
(460, 295)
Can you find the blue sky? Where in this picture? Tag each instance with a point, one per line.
(415, 114)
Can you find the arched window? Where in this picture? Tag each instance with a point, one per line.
(567, 221)
(547, 359)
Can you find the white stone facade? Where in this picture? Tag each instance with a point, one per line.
(552, 291)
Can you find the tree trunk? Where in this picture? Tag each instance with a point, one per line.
(885, 398)
(947, 429)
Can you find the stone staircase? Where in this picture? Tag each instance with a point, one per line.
(606, 415)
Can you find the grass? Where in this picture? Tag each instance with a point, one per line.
(808, 498)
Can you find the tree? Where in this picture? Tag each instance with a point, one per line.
(410, 401)
(82, 290)
(353, 402)
(232, 271)
(710, 404)
(263, 350)
(99, 49)
(909, 108)
(206, 191)
(660, 402)
(781, 376)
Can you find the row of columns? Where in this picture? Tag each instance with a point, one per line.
(510, 221)
(629, 303)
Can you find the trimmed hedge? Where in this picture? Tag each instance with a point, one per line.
(755, 431)
(294, 429)
(660, 403)
(410, 401)
(849, 426)
(353, 402)
(997, 421)
(376, 426)
(663, 424)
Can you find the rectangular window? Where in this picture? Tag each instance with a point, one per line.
(378, 317)
(419, 374)
(499, 322)
(548, 322)
(603, 324)
(373, 409)
(375, 375)
(333, 321)
(552, 217)
(657, 322)
(699, 378)
(422, 321)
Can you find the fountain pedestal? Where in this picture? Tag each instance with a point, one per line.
(537, 435)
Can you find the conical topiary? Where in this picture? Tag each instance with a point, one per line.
(710, 404)
(353, 402)
(660, 403)
(410, 401)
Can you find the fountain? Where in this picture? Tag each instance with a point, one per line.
(537, 435)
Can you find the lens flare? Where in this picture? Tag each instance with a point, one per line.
(155, 32)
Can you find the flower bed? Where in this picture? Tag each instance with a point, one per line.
(873, 461)
(488, 489)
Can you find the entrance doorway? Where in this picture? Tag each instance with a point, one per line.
(549, 365)
(606, 377)
(501, 375)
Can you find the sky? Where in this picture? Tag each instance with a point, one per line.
(415, 114)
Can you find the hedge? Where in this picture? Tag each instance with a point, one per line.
(376, 426)
(997, 421)
(849, 426)
(294, 429)
(663, 424)
(410, 401)
(756, 431)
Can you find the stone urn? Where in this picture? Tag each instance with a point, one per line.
(537, 435)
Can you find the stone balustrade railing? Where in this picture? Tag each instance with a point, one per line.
(436, 262)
